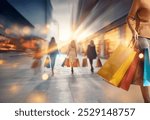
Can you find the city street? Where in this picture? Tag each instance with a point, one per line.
(19, 84)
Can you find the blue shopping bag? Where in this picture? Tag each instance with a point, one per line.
(146, 81)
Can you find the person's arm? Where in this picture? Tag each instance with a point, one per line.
(95, 50)
(76, 51)
(131, 19)
(68, 51)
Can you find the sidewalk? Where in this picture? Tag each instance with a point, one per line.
(18, 84)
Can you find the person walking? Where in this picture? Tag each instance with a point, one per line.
(139, 23)
(53, 51)
(72, 54)
(91, 54)
(36, 65)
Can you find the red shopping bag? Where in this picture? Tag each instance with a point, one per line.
(98, 63)
(76, 63)
(129, 76)
(138, 77)
(66, 63)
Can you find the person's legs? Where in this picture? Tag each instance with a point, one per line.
(71, 60)
(145, 94)
(72, 71)
(91, 63)
(53, 59)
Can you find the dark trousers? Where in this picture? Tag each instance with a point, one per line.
(91, 63)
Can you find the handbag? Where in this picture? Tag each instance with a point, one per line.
(84, 62)
(146, 81)
(115, 67)
(128, 77)
(98, 63)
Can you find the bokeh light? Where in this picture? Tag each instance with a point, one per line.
(14, 88)
(45, 76)
(141, 55)
(8, 31)
(37, 97)
(15, 65)
(2, 62)
(26, 30)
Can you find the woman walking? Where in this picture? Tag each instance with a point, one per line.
(53, 51)
(72, 54)
(91, 54)
(139, 23)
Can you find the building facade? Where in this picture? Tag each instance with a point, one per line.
(105, 23)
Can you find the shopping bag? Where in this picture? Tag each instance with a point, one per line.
(122, 70)
(35, 64)
(47, 62)
(76, 63)
(129, 75)
(66, 63)
(84, 62)
(118, 63)
(98, 63)
(138, 77)
(146, 81)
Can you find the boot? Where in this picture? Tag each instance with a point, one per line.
(92, 69)
(72, 70)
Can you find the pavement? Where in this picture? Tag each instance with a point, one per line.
(19, 84)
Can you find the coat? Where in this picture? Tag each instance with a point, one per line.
(72, 53)
(91, 52)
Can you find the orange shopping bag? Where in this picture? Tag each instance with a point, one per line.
(76, 63)
(66, 63)
(84, 62)
(116, 66)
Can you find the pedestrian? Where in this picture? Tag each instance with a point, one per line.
(139, 23)
(53, 51)
(91, 54)
(72, 54)
(36, 65)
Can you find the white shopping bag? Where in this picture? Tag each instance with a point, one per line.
(43, 67)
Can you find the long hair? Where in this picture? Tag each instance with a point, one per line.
(73, 44)
(92, 43)
(52, 42)
(52, 45)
